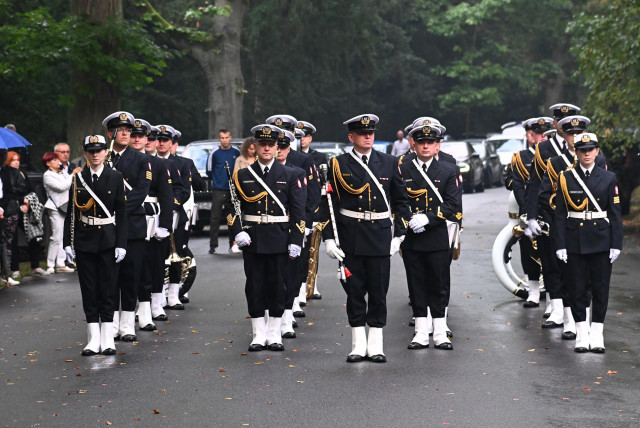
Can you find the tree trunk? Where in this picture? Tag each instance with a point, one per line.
(86, 115)
(554, 89)
(221, 65)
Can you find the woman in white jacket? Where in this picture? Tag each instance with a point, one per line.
(57, 184)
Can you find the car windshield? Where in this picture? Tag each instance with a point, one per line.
(479, 148)
(507, 145)
(456, 149)
(199, 153)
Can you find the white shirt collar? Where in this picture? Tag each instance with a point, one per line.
(98, 172)
(121, 152)
(262, 167)
(428, 163)
(357, 153)
(584, 170)
(163, 157)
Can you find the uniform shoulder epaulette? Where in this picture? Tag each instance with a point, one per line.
(522, 170)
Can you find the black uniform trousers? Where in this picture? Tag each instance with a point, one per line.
(130, 276)
(426, 274)
(369, 275)
(292, 280)
(303, 270)
(181, 239)
(98, 273)
(155, 254)
(265, 286)
(530, 267)
(589, 277)
(552, 271)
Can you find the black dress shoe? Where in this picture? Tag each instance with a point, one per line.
(129, 338)
(355, 358)
(148, 327)
(551, 324)
(88, 353)
(449, 334)
(256, 347)
(581, 349)
(546, 315)
(109, 351)
(299, 314)
(176, 307)
(412, 323)
(416, 345)
(212, 250)
(316, 296)
(116, 338)
(294, 324)
(447, 346)
(597, 350)
(289, 335)
(161, 317)
(378, 358)
(276, 347)
(303, 304)
(530, 304)
(568, 335)
(184, 299)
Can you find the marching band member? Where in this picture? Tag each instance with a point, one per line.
(270, 227)
(589, 238)
(433, 191)
(367, 190)
(137, 179)
(96, 237)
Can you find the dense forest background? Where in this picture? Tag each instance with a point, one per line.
(200, 66)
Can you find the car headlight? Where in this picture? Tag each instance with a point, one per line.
(464, 167)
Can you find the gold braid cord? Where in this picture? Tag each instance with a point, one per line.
(522, 170)
(567, 197)
(243, 195)
(338, 176)
(539, 162)
(415, 194)
(86, 207)
(553, 175)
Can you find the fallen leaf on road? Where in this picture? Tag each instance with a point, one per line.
(156, 412)
(586, 389)
(612, 372)
(481, 350)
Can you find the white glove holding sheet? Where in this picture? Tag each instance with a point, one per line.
(333, 250)
(294, 250)
(161, 233)
(242, 239)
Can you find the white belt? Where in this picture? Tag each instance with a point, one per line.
(95, 221)
(264, 218)
(587, 215)
(151, 199)
(366, 215)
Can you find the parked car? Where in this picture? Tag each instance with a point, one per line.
(511, 140)
(491, 161)
(470, 164)
(383, 146)
(329, 148)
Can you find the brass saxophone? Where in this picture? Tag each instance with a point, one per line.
(314, 256)
(110, 152)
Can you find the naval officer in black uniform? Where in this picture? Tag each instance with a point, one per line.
(137, 177)
(95, 235)
(367, 191)
(589, 238)
(433, 191)
(270, 228)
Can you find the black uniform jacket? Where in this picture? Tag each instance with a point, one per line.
(318, 159)
(162, 189)
(194, 176)
(549, 185)
(594, 235)
(544, 151)
(181, 187)
(110, 190)
(424, 201)
(354, 190)
(135, 169)
(518, 174)
(287, 184)
(305, 162)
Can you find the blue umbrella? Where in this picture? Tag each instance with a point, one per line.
(10, 139)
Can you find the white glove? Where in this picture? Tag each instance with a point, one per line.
(314, 224)
(613, 254)
(562, 255)
(333, 250)
(307, 231)
(419, 230)
(71, 255)
(294, 250)
(120, 253)
(535, 228)
(527, 233)
(243, 239)
(418, 221)
(395, 245)
(161, 233)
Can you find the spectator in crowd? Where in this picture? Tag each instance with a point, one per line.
(63, 151)
(20, 203)
(220, 185)
(56, 185)
(4, 255)
(11, 127)
(401, 145)
(247, 154)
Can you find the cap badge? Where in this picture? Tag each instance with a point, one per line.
(564, 109)
(123, 116)
(585, 138)
(426, 130)
(278, 121)
(365, 120)
(163, 129)
(300, 125)
(93, 139)
(267, 130)
(426, 122)
(575, 122)
(540, 121)
(137, 124)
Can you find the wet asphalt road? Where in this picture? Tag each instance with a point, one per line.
(504, 369)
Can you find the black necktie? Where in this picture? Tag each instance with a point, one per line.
(586, 175)
(266, 171)
(424, 167)
(95, 179)
(364, 159)
(116, 158)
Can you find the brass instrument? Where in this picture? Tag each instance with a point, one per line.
(110, 152)
(314, 257)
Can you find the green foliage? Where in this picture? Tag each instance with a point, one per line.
(607, 46)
